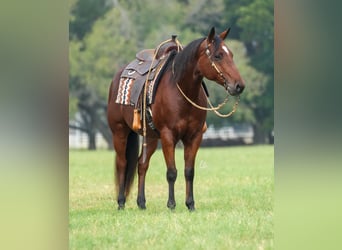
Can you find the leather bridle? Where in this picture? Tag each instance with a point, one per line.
(207, 52)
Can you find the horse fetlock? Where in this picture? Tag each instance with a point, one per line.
(190, 204)
(171, 204)
(141, 202)
(171, 175)
(189, 173)
(121, 202)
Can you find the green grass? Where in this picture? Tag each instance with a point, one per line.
(233, 192)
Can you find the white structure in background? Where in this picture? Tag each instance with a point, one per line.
(79, 139)
(242, 132)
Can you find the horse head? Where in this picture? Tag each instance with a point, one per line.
(216, 63)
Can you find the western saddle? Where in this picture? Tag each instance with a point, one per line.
(149, 63)
(147, 68)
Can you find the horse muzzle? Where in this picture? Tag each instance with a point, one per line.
(234, 89)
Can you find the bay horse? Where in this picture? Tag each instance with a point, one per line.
(174, 115)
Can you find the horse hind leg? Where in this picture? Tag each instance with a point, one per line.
(120, 165)
(142, 169)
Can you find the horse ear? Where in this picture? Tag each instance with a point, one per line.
(224, 34)
(211, 35)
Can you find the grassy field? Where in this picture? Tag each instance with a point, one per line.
(233, 196)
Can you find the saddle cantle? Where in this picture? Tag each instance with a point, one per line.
(145, 55)
(148, 63)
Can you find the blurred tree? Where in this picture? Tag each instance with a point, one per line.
(231, 15)
(201, 15)
(154, 20)
(257, 23)
(83, 13)
(93, 63)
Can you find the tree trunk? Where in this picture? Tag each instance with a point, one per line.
(259, 134)
(108, 139)
(88, 123)
(103, 128)
(94, 118)
(271, 137)
(92, 140)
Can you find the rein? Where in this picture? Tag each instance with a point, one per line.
(212, 108)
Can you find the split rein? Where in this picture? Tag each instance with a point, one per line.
(212, 108)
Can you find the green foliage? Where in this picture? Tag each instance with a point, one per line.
(83, 13)
(256, 21)
(154, 21)
(233, 190)
(72, 106)
(231, 16)
(107, 48)
(198, 12)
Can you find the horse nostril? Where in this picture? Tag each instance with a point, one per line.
(238, 88)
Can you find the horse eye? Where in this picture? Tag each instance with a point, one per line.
(218, 56)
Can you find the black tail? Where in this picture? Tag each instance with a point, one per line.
(132, 151)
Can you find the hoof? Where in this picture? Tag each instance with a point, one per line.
(121, 207)
(142, 206)
(191, 209)
(141, 202)
(190, 205)
(171, 205)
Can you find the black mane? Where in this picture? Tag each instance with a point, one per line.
(186, 56)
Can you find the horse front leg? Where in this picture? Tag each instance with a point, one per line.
(142, 169)
(168, 146)
(190, 150)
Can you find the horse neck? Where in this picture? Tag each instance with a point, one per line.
(190, 80)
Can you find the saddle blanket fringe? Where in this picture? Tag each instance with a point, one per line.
(125, 90)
